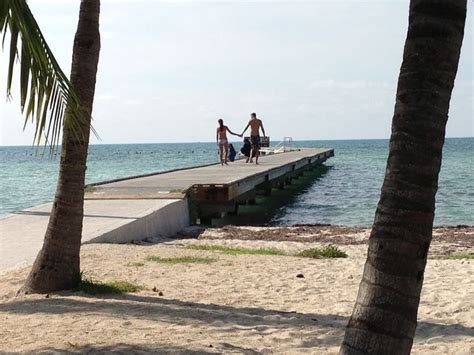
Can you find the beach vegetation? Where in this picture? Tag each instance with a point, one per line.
(235, 250)
(136, 264)
(45, 91)
(176, 191)
(458, 256)
(94, 287)
(181, 260)
(325, 252)
(57, 266)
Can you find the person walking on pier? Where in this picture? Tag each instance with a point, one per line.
(222, 141)
(255, 125)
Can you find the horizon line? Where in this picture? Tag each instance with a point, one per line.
(208, 142)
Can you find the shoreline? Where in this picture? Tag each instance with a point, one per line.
(436, 226)
(305, 233)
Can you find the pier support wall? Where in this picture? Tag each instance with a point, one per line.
(163, 221)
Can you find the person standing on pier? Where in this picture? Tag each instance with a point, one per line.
(222, 141)
(255, 125)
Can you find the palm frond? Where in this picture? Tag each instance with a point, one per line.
(45, 91)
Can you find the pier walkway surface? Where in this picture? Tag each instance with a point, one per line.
(155, 205)
(238, 175)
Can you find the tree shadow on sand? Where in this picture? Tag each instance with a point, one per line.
(212, 316)
(125, 349)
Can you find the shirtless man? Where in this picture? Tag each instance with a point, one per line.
(255, 124)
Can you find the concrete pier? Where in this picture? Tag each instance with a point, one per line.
(158, 205)
(215, 190)
(22, 233)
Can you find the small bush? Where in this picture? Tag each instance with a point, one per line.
(460, 256)
(175, 191)
(235, 250)
(93, 287)
(181, 260)
(326, 252)
(136, 264)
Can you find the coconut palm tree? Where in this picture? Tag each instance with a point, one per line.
(57, 264)
(384, 317)
(45, 91)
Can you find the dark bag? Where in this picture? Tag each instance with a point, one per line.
(232, 152)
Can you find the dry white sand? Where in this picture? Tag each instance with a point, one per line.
(239, 304)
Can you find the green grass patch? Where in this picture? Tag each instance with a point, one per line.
(94, 287)
(458, 256)
(326, 252)
(181, 260)
(235, 250)
(136, 264)
(176, 191)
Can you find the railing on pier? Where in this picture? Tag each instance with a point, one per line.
(286, 145)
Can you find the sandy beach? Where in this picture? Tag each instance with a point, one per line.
(246, 304)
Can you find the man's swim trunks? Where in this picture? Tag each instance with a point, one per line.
(255, 140)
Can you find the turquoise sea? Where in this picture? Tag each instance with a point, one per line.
(346, 193)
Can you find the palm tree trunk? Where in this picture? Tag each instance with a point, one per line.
(57, 266)
(384, 316)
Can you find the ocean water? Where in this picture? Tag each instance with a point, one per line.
(349, 191)
(346, 193)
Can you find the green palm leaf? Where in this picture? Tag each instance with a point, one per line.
(45, 91)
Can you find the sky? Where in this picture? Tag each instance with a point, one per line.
(309, 69)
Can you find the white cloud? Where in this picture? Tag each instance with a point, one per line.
(333, 84)
(132, 102)
(108, 35)
(108, 96)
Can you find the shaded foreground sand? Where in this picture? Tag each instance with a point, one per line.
(239, 304)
